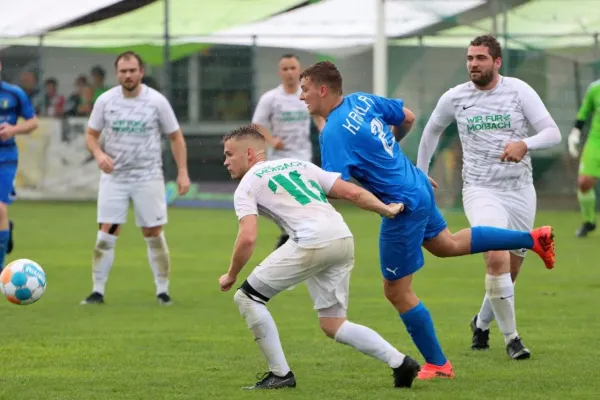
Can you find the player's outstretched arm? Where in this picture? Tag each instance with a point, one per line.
(242, 250)
(363, 199)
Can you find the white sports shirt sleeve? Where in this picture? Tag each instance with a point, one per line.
(538, 116)
(262, 113)
(442, 116)
(96, 120)
(166, 116)
(244, 201)
(325, 179)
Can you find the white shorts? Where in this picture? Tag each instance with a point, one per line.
(326, 271)
(149, 202)
(511, 209)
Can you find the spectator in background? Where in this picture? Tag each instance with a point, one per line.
(29, 84)
(80, 101)
(54, 103)
(98, 86)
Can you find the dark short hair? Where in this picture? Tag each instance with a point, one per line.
(324, 73)
(489, 41)
(98, 70)
(289, 55)
(244, 132)
(51, 81)
(127, 55)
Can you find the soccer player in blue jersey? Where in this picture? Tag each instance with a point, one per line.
(14, 103)
(359, 140)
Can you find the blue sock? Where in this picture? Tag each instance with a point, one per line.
(4, 235)
(420, 328)
(487, 238)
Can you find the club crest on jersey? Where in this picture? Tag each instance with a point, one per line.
(4, 104)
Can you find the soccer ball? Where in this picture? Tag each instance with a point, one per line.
(23, 282)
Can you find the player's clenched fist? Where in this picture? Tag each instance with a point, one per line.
(226, 282)
(105, 163)
(394, 209)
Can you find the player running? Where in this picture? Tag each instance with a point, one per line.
(357, 142)
(493, 114)
(320, 251)
(589, 165)
(132, 118)
(14, 104)
(284, 120)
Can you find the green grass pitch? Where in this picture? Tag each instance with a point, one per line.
(200, 348)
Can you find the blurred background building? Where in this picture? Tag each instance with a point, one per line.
(213, 60)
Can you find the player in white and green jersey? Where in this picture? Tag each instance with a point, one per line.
(124, 135)
(320, 252)
(589, 164)
(284, 119)
(494, 114)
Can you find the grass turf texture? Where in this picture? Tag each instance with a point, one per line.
(131, 348)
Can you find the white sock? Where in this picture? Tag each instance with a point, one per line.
(160, 262)
(261, 323)
(102, 262)
(369, 342)
(486, 314)
(501, 292)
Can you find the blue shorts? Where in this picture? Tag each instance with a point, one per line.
(8, 171)
(401, 238)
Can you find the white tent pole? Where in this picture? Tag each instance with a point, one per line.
(167, 79)
(380, 56)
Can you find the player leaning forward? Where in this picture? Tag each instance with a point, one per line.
(493, 114)
(132, 117)
(320, 251)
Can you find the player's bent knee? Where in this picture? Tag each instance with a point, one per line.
(154, 231)
(497, 261)
(400, 294)
(111, 229)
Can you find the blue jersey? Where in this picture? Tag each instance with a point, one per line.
(14, 103)
(357, 142)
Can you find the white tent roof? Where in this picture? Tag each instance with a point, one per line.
(35, 17)
(338, 27)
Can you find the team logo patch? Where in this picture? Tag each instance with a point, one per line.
(4, 103)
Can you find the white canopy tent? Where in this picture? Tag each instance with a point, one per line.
(342, 28)
(35, 17)
(338, 27)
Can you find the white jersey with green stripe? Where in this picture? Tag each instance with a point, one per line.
(293, 194)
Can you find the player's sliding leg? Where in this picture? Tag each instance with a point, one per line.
(102, 261)
(160, 262)
(481, 239)
(586, 195)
